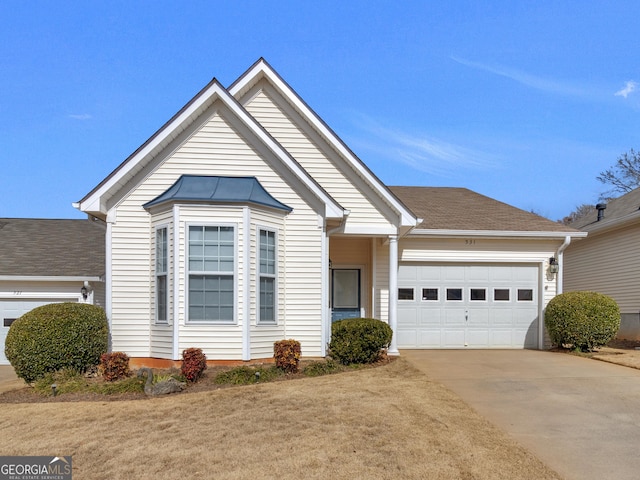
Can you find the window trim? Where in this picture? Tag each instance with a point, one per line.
(260, 276)
(165, 274)
(233, 275)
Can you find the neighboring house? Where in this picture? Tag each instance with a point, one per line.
(48, 261)
(608, 261)
(245, 220)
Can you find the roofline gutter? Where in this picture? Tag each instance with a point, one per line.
(604, 225)
(50, 278)
(494, 233)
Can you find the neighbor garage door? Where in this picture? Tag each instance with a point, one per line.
(12, 309)
(472, 306)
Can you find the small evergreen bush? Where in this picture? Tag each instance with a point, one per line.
(194, 363)
(57, 336)
(359, 340)
(114, 366)
(246, 375)
(287, 355)
(318, 368)
(582, 320)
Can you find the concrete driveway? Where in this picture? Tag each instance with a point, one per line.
(579, 416)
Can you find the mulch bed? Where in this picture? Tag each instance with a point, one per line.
(204, 384)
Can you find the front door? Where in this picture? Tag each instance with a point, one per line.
(345, 293)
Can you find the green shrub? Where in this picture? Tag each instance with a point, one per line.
(359, 340)
(114, 366)
(57, 336)
(246, 375)
(582, 320)
(322, 367)
(194, 363)
(287, 355)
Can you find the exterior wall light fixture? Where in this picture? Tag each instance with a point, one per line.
(554, 267)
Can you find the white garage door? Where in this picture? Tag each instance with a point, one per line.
(472, 306)
(12, 309)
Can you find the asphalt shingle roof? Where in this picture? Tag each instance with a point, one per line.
(447, 208)
(48, 247)
(616, 208)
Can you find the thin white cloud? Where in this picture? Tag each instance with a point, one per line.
(81, 116)
(629, 87)
(421, 152)
(527, 79)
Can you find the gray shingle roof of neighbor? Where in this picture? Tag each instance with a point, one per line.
(448, 208)
(617, 208)
(52, 247)
(214, 189)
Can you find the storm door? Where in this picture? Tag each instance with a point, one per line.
(345, 293)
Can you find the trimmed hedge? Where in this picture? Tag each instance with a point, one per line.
(57, 336)
(582, 320)
(359, 340)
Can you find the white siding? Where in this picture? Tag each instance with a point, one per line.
(161, 342)
(264, 336)
(316, 157)
(608, 263)
(217, 148)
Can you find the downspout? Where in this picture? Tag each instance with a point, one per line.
(559, 279)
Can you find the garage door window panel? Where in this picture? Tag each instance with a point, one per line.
(501, 295)
(478, 294)
(405, 294)
(525, 295)
(430, 294)
(454, 294)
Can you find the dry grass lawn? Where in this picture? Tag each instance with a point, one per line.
(387, 422)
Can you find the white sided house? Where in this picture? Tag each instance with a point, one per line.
(245, 220)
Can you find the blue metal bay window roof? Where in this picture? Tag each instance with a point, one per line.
(214, 189)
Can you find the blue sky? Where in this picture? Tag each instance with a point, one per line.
(525, 102)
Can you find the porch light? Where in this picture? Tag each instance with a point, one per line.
(84, 292)
(330, 264)
(553, 265)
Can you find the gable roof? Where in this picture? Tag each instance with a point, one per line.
(262, 70)
(619, 211)
(51, 248)
(460, 209)
(215, 189)
(95, 202)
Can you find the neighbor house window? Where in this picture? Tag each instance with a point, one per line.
(267, 277)
(162, 261)
(211, 273)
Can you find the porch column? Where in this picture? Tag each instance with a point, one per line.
(393, 292)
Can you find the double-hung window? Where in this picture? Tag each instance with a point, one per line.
(267, 277)
(162, 261)
(211, 274)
